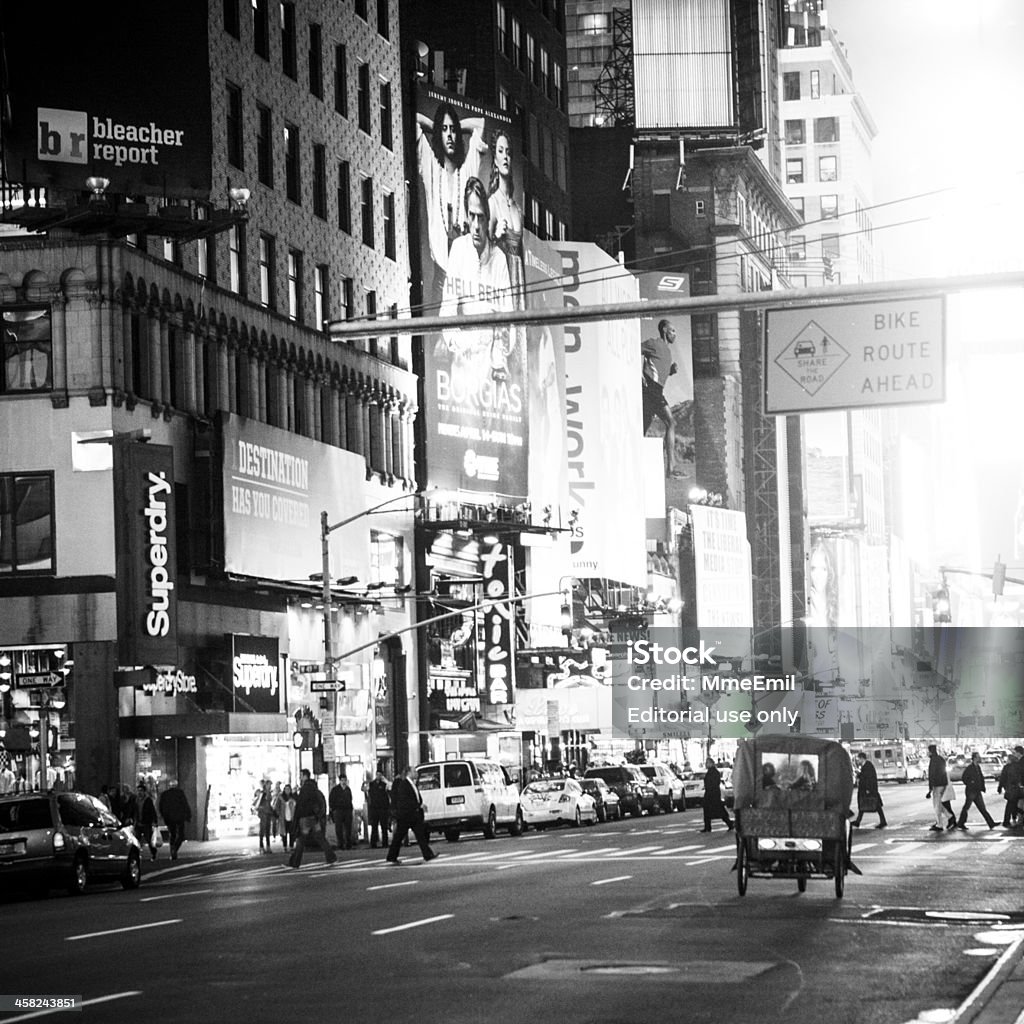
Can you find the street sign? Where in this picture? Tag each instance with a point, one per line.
(327, 686)
(855, 355)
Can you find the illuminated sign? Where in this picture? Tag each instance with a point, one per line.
(458, 692)
(499, 664)
(255, 674)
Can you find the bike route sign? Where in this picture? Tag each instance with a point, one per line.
(849, 356)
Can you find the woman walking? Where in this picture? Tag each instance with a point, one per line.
(148, 820)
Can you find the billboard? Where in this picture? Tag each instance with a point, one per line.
(274, 486)
(470, 206)
(603, 421)
(722, 567)
(147, 554)
(122, 94)
(855, 355)
(254, 675)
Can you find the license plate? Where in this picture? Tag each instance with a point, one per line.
(456, 800)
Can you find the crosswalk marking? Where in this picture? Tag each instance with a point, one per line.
(632, 851)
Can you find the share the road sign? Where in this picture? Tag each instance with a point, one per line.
(889, 352)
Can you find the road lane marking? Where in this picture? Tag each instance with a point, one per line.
(590, 853)
(633, 852)
(608, 881)
(81, 1005)
(174, 895)
(118, 931)
(412, 924)
(189, 865)
(392, 885)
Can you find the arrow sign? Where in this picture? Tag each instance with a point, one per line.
(327, 686)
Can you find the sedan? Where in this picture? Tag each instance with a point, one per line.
(606, 800)
(66, 840)
(557, 801)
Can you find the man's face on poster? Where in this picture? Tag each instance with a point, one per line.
(449, 136)
(477, 222)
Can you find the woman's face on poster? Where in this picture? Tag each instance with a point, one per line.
(502, 156)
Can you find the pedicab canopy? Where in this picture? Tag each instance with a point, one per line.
(792, 772)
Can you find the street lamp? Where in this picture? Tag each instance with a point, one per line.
(326, 529)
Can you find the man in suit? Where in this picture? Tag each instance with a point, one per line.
(867, 790)
(974, 786)
(408, 805)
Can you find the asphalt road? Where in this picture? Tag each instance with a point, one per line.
(636, 921)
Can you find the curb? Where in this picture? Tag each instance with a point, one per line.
(999, 996)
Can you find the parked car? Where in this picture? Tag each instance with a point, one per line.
(622, 780)
(648, 794)
(50, 840)
(693, 787)
(727, 793)
(557, 802)
(606, 800)
(468, 795)
(667, 785)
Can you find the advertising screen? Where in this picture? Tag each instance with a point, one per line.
(121, 93)
(471, 230)
(275, 485)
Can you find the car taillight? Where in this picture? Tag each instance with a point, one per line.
(565, 799)
(59, 842)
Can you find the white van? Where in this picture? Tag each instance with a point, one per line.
(468, 796)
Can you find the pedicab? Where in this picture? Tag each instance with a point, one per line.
(792, 808)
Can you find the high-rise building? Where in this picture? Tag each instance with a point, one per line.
(206, 188)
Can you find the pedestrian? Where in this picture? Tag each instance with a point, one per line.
(378, 802)
(1011, 785)
(148, 822)
(105, 796)
(175, 810)
(714, 805)
(974, 786)
(288, 820)
(275, 806)
(263, 808)
(938, 784)
(340, 802)
(311, 815)
(869, 800)
(128, 806)
(408, 815)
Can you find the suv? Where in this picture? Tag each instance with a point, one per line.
(667, 785)
(461, 796)
(622, 779)
(65, 839)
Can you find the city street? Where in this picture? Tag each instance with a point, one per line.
(627, 921)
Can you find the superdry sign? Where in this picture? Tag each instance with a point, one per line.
(147, 603)
(131, 105)
(255, 674)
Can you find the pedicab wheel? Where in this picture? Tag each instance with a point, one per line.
(741, 866)
(840, 867)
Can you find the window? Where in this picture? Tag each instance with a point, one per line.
(294, 284)
(703, 330)
(387, 558)
(363, 97)
(361, 9)
(347, 297)
(794, 133)
(828, 168)
(172, 251)
(260, 28)
(797, 248)
(815, 85)
(321, 295)
(503, 98)
(794, 172)
(384, 19)
(26, 350)
(386, 139)
(389, 225)
(699, 208)
(265, 147)
(344, 197)
(366, 210)
(289, 62)
(791, 85)
(830, 246)
(829, 207)
(502, 20)
(320, 180)
(267, 271)
(206, 252)
(341, 81)
(26, 522)
(741, 210)
(232, 24)
(291, 163)
(594, 24)
(798, 205)
(545, 72)
(236, 154)
(556, 83)
(517, 42)
(316, 62)
(236, 259)
(826, 129)
(531, 58)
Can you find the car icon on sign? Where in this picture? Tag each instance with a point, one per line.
(804, 348)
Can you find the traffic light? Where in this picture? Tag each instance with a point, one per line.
(998, 578)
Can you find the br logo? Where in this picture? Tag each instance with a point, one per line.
(63, 135)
